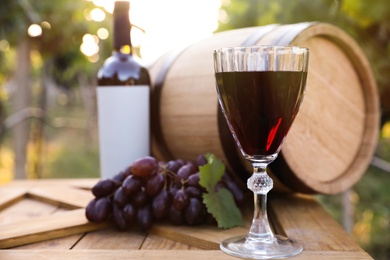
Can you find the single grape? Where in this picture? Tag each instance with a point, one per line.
(102, 209)
(129, 212)
(145, 217)
(194, 179)
(104, 188)
(194, 212)
(193, 166)
(144, 167)
(201, 160)
(90, 210)
(193, 192)
(176, 217)
(140, 198)
(119, 219)
(173, 166)
(154, 185)
(185, 171)
(161, 204)
(120, 199)
(119, 177)
(181, 162)
(180, 200)
(131, 185)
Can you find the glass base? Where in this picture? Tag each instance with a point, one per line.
(281, 247)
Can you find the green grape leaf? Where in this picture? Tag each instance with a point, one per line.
(222, 206)
(211, 173)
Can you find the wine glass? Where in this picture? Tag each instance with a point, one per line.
(260, 89)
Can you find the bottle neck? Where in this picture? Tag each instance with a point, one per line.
(122, 27)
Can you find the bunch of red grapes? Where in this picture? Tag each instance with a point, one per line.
(149, 191)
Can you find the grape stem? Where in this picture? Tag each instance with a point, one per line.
(170, 173)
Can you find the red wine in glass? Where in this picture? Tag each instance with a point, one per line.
(260, 107)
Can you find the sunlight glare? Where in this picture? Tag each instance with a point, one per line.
(103, 33)
(34, 30)
(137, 37)
(99, 3)
(173, 24)
(90, 46)
(97, 15)
(169, 24)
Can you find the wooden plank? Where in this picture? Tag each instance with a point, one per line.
(304, 220)
(63, 196)
(204, 237)
(161, 254)
(62, 243)
(44, 228)
(153, 242)
(111, 238)
(25, 210)
(9, 196)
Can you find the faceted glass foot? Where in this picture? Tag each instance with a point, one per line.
(281, 247)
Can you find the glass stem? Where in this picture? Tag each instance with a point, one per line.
(260, 184)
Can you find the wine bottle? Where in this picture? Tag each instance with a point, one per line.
(123, 101)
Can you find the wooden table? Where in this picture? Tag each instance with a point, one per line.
(45, 219)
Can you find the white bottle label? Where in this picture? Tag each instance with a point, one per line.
(124, 131)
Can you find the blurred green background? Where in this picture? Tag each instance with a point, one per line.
(48, 126)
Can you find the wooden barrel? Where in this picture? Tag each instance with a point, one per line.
(333, 138)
